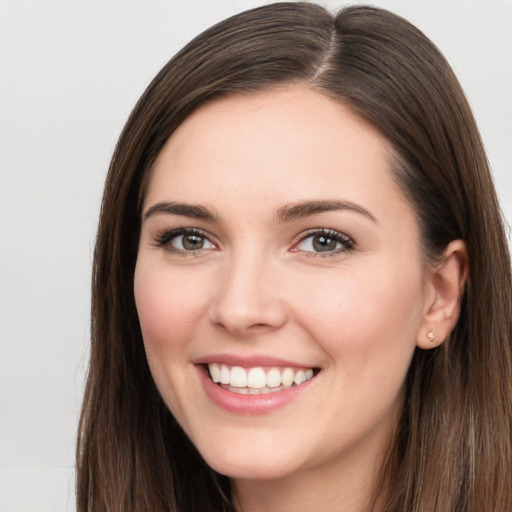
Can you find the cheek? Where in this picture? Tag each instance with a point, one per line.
(168, 305)
(370, 318)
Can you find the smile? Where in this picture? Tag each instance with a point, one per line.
(257, 380)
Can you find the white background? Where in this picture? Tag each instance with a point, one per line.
(70, 72)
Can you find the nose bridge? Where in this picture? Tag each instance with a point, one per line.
(248, 299)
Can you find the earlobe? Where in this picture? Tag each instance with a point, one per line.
(447, 280)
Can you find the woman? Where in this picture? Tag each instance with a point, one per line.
(301, 293)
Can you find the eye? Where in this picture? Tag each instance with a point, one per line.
(185, 240)
(324, 242)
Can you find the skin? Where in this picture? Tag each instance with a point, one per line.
(258, 287)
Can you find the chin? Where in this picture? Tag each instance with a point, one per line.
(245, 470)
(257, 464)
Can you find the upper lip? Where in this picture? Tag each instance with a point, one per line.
(249, 361)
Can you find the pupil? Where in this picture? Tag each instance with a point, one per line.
(193, 242)
(323, 243)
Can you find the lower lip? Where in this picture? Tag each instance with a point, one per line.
(239, 403)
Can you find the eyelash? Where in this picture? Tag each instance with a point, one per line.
(164, 240)
(347, 243)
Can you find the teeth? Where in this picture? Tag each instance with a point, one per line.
(299, 377)
(238, 377)
(225, 377)
(273, 378)
(257, 380)
(287, 377)
(215, 372)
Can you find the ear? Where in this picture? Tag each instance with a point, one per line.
(445, 287)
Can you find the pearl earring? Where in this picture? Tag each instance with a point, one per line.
(432, 337)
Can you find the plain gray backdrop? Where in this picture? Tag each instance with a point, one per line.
(70, 72)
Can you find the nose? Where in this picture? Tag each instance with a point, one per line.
(249, 299)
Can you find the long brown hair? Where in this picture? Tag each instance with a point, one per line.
(452, 451)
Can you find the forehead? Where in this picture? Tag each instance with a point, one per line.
(292, 142)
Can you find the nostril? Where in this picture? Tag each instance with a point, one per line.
(259, 326)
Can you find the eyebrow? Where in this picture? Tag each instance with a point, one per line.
(286, 213)
(184, 209)
(295, 211)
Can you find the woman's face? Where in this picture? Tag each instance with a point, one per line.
(277, 247)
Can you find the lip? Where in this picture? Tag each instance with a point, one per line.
(248, 361)
(238, 403)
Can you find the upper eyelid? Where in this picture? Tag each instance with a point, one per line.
(169, 234)
(312, 231)
(324, 231)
